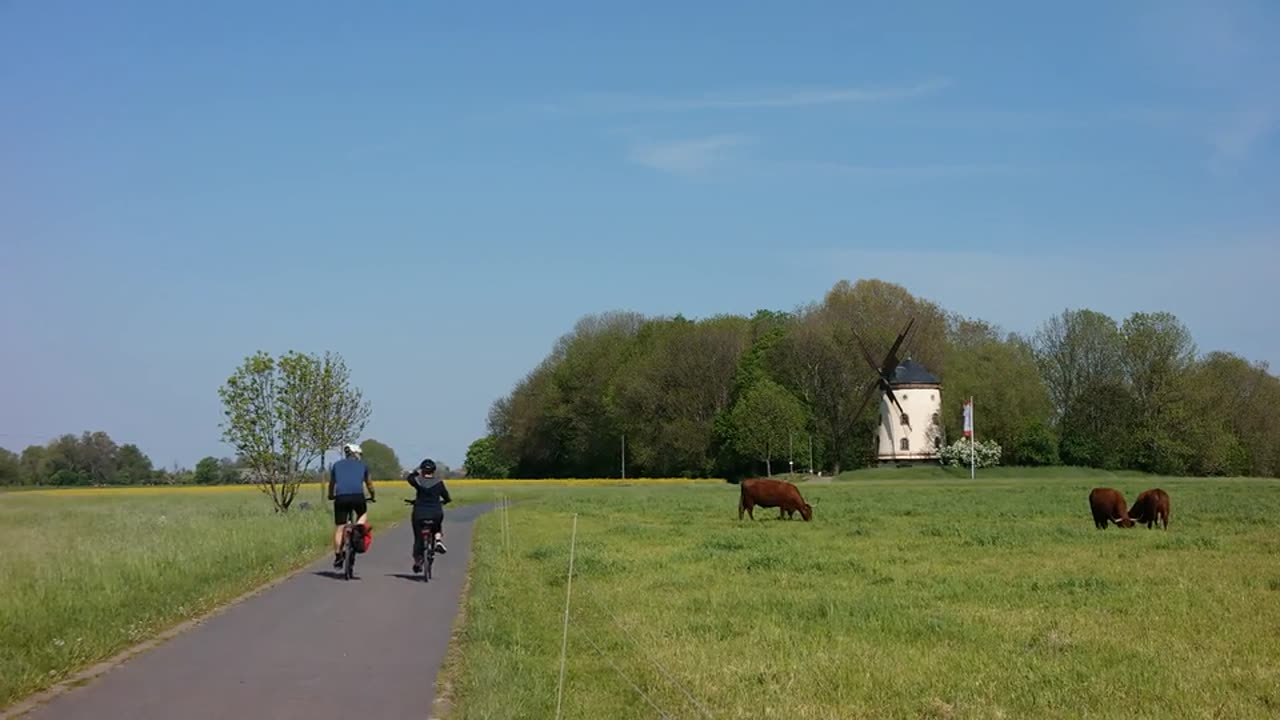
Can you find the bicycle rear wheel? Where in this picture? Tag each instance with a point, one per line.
(349, 560)
(430, 540)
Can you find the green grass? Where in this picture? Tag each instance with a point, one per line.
(87, 574)
(903, 599)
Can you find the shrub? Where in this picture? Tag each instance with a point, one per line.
(986, 453)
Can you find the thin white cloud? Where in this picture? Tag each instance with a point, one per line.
(785, 98)
(912, 172)
(1226, 50)
(1234, 141)
(687, 157)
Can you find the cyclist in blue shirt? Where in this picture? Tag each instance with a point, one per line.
(348, 479)
(428, 505)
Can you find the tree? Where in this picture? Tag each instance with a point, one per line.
(1002, 376)
(269, 406)
(229, 472)
(484, 459)
(381, 459)
(1076, 350)
(764, 420)
(133, 467)
(337, 411)
(10, 468)
(208, 471)
(1158, 358)
(35, 465)
(830, 381)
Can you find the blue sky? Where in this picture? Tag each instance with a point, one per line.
(438, 190)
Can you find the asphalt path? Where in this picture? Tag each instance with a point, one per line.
(314, 646)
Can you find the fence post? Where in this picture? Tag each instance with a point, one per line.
(564, 642)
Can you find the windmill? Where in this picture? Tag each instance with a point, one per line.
(910, 389)
(884, 371)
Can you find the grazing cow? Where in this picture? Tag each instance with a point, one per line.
(1151, 508)
(771, 493)
(1108, 504)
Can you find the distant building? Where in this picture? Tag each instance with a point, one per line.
(913, 434)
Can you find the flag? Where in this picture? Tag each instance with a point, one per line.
(968, 418)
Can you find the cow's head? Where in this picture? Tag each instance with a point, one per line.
(806, 512)
(1124, 520)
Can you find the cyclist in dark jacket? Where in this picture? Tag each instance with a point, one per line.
(428, 505)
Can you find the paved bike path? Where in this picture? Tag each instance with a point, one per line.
(315, 646)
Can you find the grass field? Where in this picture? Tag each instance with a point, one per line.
(936, 598)
(87, 573)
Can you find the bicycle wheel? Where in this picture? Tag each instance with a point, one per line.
(430, 539)
(349, 562)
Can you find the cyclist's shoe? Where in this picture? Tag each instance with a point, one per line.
(417, 566)
(440, 548)
(337, 560)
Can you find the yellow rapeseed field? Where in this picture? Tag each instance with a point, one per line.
(303, 492)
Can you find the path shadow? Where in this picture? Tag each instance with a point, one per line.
(334, 574)
(406, 576)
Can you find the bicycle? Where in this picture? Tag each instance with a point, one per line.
(348, 551)
(429, 530)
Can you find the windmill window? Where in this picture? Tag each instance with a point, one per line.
(906, 419)
(905, 444)
(937, 420)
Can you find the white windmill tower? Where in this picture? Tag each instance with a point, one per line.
(910, 428)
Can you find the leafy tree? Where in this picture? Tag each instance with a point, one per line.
(1077, 352)
(381, 459)
(1036, 444)
(10, 468)
(267, 407)
(336, 410)
(133, 467)
(229, 472)
(484, 459)
(35, 465)
(764, 420)
(1002, 376)
(208, 471)
(1158, 358)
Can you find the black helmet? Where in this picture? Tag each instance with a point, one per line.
(427, 466)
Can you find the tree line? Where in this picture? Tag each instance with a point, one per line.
(94, 459)
(731, 395)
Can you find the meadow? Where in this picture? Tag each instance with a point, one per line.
(929, 598)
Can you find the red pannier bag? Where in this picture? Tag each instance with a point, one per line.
(362, 538)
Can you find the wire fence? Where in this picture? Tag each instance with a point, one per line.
(622, 630)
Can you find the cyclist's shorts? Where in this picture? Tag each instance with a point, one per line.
(348, 507)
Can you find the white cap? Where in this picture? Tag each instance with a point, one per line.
(352, 448)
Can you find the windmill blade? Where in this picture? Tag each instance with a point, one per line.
(866, 397)
(894, 398)
(866, 353)
(891, 360)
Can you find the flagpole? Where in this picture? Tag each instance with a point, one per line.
(972, 464)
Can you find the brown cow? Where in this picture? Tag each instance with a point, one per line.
(1108, 504)
(771, 493)
(1151, 508)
